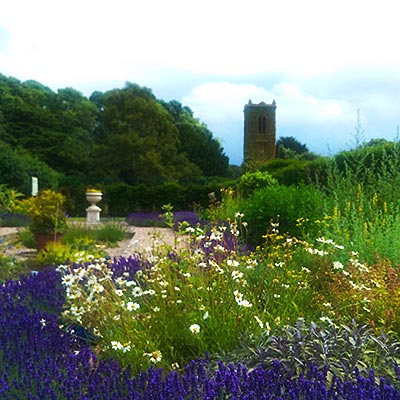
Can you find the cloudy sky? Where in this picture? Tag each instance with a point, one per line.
(320, 60)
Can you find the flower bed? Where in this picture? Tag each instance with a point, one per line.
(39, 359)
(201, 321)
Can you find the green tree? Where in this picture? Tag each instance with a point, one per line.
(197, 142)
(17, 167)
(289, 147)
(139, 141)
(56, 127)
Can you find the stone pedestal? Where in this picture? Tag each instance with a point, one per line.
(93, 211)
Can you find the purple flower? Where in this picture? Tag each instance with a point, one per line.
(41, 359)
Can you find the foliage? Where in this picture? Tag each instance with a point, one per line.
(82, 244)
(56, 128)
(375, 168)
(366, 223)
(280, 265)
(252, 181)
(219, 298)
(223, 302)
(7, 198)
(46, 212)
(339, 349)
(121, 135)
(343, 286)
(295, 171)
(145, 219)
(363, 193)
(308, 314)
(109, 233)
(132, 122)
(80, 251)
(288, 147)
(12, 219)
(365, 292)
(27, 238)
(201, 285)
(222, 206)
(106, 233)
(196, 141)
(122, 199)
(47, 360)
(17, 167)
(283, 203)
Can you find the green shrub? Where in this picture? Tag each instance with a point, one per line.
(252, 181)
(375, 168)
(8, 198)
(80, 252)
(362, 199)
(339, 348)
(293, 174)
(27, 238)
(76, 232)
(107, 233)
(286, 204)
(295, 171)
(110, 233)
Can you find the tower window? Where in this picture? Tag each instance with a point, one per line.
(262, 125)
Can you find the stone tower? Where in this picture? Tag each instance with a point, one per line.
(259, 132)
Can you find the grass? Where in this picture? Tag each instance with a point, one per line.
(108, 233)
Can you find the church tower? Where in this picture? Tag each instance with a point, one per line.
(259, 132)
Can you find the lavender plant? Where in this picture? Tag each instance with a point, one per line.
(50, 360)
(158, 219)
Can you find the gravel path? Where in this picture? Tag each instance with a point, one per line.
(142, 238)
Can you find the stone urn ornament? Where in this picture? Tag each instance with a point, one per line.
(93, 196)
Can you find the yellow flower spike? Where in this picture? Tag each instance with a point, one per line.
(375, 200)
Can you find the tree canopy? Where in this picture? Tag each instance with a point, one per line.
(197, 142)
(290, 147)
(122, 135)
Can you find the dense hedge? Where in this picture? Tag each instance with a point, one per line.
(120, 199)
(295, 172)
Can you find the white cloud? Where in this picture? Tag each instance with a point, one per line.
(219, 101)
(296, 105)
